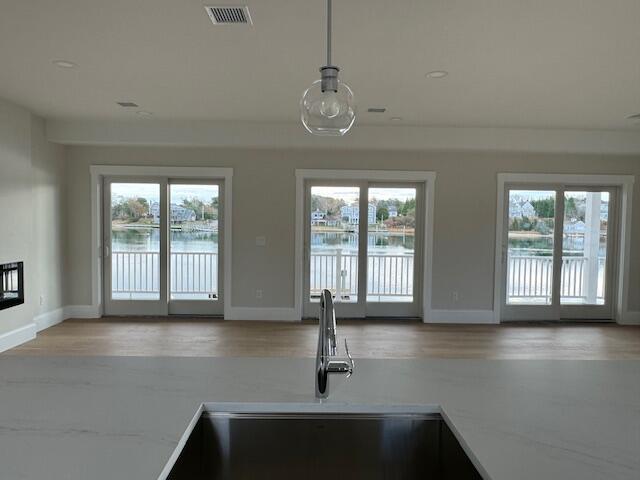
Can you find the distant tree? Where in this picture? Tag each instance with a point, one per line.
(327, 204)
(570, 208)
(542, 227)
(544, 208)
(144, 202)
(382, 213)
(408, 208)
(399, 222)
(203, 211)
(138, 208)
(130, 209)
(526, 224)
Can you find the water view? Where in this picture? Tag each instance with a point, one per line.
(193, 241)
(532, 218)
(380, 242)
(336, 215)
(148, 240)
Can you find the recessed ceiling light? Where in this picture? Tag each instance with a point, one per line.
(142, 113)
(437, 74)
(64, 64)
(396, 119)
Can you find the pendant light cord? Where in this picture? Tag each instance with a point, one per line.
(328, 32)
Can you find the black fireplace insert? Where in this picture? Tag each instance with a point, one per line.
(11, 284)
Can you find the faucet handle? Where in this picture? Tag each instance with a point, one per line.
(351, 362)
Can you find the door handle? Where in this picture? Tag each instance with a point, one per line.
(107, 251)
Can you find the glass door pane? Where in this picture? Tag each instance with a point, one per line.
(134, 241)
(530, 254)
(584, 248)
(391, 244)
(194, 246)
(333, 242)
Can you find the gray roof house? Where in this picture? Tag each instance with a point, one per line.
(179, 214)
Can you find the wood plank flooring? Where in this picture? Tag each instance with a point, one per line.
(193, 337)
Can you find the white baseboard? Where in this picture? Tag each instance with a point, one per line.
(82, 311)
(630, 318)
(17, 337)
(59, 315)
(462, 316)
(49, 319)
(256, 313)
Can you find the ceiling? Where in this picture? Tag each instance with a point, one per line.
(511, 63)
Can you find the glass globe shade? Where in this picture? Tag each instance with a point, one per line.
(327, 113)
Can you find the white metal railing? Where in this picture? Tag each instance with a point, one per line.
(194, 272)
(530, 277)
(388, 275)
(139, 272)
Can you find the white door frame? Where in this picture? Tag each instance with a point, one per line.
(98, 172)
(621, 266)
(426, 178)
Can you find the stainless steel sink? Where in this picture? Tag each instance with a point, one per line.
(311, 446)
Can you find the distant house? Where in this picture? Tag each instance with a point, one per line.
(521, 209)
(528, 210)
(179, 214)
(393, 211)
(351, 214)
(318, 217)
(575, 227)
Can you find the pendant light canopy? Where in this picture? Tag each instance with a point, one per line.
(327, 106)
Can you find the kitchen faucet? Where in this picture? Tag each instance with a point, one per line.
(326, 360)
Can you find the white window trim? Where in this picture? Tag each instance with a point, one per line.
(98, 172)
(624, 182)
(428, 178)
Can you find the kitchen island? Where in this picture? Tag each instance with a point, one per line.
(95, 418)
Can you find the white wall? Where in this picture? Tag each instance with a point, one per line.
(48, 177)
(16, 205)
(264, 200)
(32, 224)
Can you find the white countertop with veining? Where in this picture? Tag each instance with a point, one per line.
(94, 418)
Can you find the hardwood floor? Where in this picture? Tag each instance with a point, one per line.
(367, 339)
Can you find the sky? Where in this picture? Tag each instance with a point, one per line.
(151, 191)
(542, 194)
(351, 194)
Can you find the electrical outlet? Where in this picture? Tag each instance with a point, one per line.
(258, 293)
(455, 296)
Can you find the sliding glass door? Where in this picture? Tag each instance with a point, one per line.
(194, 248)
(134, 253)
(557, 253)
(394, 253)
(333, 247)
(162, 245)
(363, 242)
(589, 236)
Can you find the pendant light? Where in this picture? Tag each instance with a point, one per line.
(327, 106)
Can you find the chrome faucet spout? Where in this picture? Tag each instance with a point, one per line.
(326, 355)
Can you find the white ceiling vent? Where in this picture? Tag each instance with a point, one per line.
(229, 15)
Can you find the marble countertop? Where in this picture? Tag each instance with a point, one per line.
(94, 418)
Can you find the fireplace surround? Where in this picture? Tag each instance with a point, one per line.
(11, 284)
